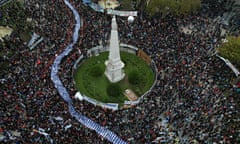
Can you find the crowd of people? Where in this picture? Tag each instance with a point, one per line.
(188, 104)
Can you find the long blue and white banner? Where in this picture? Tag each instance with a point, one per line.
(104, 132)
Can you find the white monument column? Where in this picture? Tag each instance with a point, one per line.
(114, 65)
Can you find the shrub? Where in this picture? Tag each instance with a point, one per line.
(114, 90)
(134, 77)
(96, 71)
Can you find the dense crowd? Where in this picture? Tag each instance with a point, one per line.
(2, 2)
(187, 104)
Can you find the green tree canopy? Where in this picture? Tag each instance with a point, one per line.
(134, 77)
(97, 71)
(172, 6)
(231, 50)
(114, 89)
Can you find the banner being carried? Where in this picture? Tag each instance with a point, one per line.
(121, 13)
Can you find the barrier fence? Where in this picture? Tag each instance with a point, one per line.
(230, 65)
(124, 47)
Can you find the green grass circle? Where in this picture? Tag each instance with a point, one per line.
(96, 87)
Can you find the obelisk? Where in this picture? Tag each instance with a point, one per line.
(114, 66)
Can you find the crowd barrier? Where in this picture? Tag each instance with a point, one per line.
(123, 47)
(33, 39)
(104, 132)
(100, 48)
(128, 48)
(78, 61)
(230, 65)
(36, 43)
(122, 13)
(81, 97)
(95, 50)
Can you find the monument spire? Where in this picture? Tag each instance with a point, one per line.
(114, 65)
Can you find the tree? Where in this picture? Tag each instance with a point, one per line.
(97, 71)
(126, 5)
(134, 77)
(16, 20)
(172, 6)
(114, 89)
(231, 50)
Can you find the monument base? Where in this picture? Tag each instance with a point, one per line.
(114, 72)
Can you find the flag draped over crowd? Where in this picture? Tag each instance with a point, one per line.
(104, 132)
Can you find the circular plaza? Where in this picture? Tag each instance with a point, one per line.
(90, 80)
